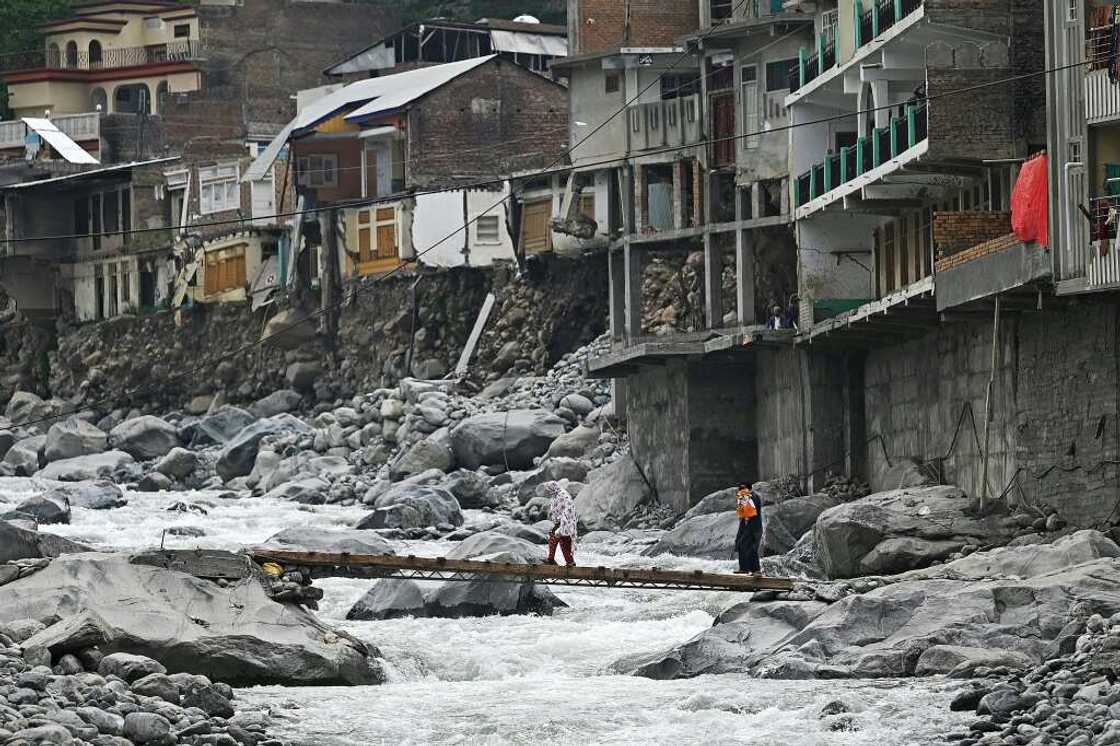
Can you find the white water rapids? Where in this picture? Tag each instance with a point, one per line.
(523, 679)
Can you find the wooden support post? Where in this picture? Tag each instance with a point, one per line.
(329, 279)
(988, 404)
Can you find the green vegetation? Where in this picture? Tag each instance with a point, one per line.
(19, 20)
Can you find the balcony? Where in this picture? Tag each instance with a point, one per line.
(78, 127)
(810, 67)
(105, 59)
(722, 12)
(1102, 265)
(1102, 95)
(880, 17)
(867, 155)
(666, 123)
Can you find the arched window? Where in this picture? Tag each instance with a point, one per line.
(54, 56)
(95, 53)
(98, 97)
(71, 54)
(134, 98)
(162, 94)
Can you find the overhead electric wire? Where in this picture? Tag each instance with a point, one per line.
(547, 171)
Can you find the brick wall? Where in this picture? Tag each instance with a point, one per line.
(496, 119)
(1055, 404)
(954, 232)
(259, 52)
(596, 25)
(976, 125)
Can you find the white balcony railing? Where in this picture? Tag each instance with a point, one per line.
(78, 127)
(1102, 97)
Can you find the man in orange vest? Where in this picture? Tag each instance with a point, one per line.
(747, 540)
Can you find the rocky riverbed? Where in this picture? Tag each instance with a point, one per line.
(907, 594)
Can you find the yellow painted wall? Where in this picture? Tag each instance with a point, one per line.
(59, 96)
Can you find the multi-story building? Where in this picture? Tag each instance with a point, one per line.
(1084, 144)
(421, 140)
(680, 146)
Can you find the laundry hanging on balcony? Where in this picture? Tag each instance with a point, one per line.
(1030, 202)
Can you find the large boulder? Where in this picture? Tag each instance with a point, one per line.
(240, 453)
(574, 444)
(309, 491)
(46, 509)
(394, 598)
(471, 489)
(710, 535)
(512, 439)
(787, 521)
(426, 454)
(934, 518)
(902, 475)
(26, 408)
(18, 543)
(612, 494)
(235, 634)
(278, 402)
(291, 329)
(26, 456)
(73, 437)
(409, 505)
(218, 427)
(100, 494)
(85, 468)
(179, 463)
(145, 437)
(1013, 602)
(331, 541)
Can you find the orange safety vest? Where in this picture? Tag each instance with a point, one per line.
(744, 506)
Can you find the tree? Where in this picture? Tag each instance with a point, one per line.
(19, 29)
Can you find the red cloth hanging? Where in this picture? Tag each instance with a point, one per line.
(1030, 202)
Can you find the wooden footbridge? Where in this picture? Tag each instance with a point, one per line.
(321, 565)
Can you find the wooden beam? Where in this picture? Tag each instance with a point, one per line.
(443, 568)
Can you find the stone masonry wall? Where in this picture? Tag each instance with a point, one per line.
(596, 25)
(1055, 404)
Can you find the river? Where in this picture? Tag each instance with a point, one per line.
(525, 679)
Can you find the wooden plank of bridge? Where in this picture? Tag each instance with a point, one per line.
(545, 573)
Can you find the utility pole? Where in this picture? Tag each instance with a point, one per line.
(329, 281)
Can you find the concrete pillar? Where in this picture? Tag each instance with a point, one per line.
(713, 282)
(616, 271)
(744, 277)
(632, 281)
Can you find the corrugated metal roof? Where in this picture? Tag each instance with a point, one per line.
(387, 93)
(60, 141)
(397, 91)
(87, 174)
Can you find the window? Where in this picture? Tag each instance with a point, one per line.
(126, 286)
(1073, 10)
(183, 31)
(224, 270)
(611, 83)
(111, 206)
(81, 216)
(71, 54)
(126, 212)
(777, 74)
(680, 86)
(487, 229)
(830, 20)
(751, 107)
(536, 229)
(94, 53)
(377, 235)
(114, 303)
(218, 189)
(318, 170)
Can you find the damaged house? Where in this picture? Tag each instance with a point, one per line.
(419, 163)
